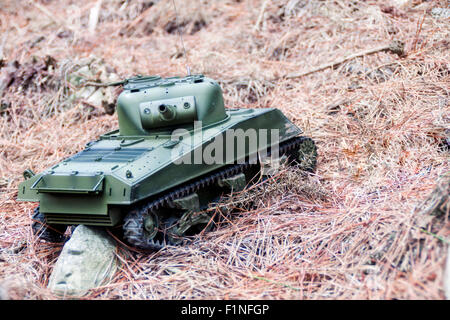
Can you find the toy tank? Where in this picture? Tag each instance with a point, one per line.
(177, 150)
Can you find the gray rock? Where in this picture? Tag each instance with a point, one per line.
(88, 260)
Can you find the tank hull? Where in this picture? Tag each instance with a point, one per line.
(97, 185)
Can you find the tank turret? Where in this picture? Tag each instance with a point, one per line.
(151, 103)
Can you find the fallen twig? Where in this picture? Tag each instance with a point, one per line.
(396, 47)
(435, 236)
(103, 84)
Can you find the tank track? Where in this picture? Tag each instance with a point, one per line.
(133, 227)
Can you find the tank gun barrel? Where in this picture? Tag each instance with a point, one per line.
(167, 111)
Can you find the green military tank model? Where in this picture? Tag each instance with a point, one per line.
(177, 151)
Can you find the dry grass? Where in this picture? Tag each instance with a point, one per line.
(353, 230)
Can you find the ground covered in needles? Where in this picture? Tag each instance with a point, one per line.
(370, 223)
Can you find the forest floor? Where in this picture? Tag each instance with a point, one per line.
(358, 228)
